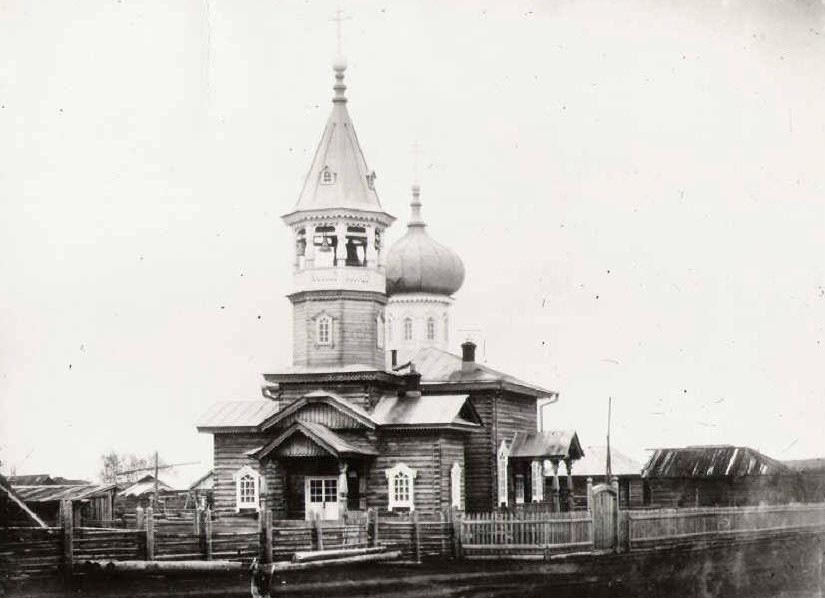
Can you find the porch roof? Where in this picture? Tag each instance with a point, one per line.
(335, 443)
(546, 444)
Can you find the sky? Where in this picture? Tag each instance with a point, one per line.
(637, 191)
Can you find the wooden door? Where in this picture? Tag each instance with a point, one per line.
(321, 497)
(605, 517)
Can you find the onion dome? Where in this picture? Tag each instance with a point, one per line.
(418, 264)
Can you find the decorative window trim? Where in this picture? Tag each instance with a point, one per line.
(243, 503)
(456, 483)
(320, 320)
(401, 487)
(380, 330)
(431, 332)
(503, 459)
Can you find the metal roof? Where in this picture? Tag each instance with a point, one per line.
(593, 462)
(45, 493)
(392, 410)
(237, 414)
(546, 444)
(709, 462)
(350, 184)
(439, 366)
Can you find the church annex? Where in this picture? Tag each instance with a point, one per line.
(376, 412)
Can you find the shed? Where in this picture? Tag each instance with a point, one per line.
(90, 503)
(811, 474)
(716, 475)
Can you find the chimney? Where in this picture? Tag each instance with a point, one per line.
(468, 356)
(412, 384)
(393, 358)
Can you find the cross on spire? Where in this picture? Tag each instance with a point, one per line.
(339, 18)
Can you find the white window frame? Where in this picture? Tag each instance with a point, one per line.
(456, 483)
(255, 502)
(408, 329)
(323, 318)
(503, 459)
(379, 327)
(400, 470)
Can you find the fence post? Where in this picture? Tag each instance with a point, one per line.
(319, 533)
(150, 534)
(456, 523)
(68, 540)
(197, 521)
(265, 519)
(372, 519)
(416, 537)
(589, 493)
(139, 519)
(207, 533)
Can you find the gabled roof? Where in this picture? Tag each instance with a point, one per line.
(710, 461)
(350, 185)
(426, 411)
(325, 397)
(546, 444)
(236, 415)
(332, 442)
(145, 486)
(441, 367)
(594, 459)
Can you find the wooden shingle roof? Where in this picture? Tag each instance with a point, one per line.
(710, 461)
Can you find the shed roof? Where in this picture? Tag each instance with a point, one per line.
(439, 366)
(546, 444)
(426, 410)
(47, 493)
(710, 461)
(236, 414)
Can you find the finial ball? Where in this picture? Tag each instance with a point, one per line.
(340, 64)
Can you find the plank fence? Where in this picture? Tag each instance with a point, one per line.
(525, 534)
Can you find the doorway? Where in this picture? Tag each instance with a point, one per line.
(321, 497)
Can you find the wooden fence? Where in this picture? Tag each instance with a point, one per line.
(536, 534)
(646, 528)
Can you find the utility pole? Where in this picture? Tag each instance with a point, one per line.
(607, 459)
(155, 498)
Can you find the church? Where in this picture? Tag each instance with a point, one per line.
(376, 412)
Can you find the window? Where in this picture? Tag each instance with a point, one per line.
(379, 330)
(401, 481)
(247, 488)
(503, 457)
(390, 323)
(431, 328)
(323, 330)
(408, 329)
(455, 486)
(327, 176)
(519, 488)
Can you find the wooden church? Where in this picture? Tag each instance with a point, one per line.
(375, 412)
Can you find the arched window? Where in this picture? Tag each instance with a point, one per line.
(431, 328)
(247, 489)
(408, 329)
(323, 330)
(401, 487)
(379, 330)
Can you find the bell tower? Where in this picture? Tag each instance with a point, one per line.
(339, 281)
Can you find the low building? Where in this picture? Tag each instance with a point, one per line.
(811, 473)
(43, 494)
(716, 475)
